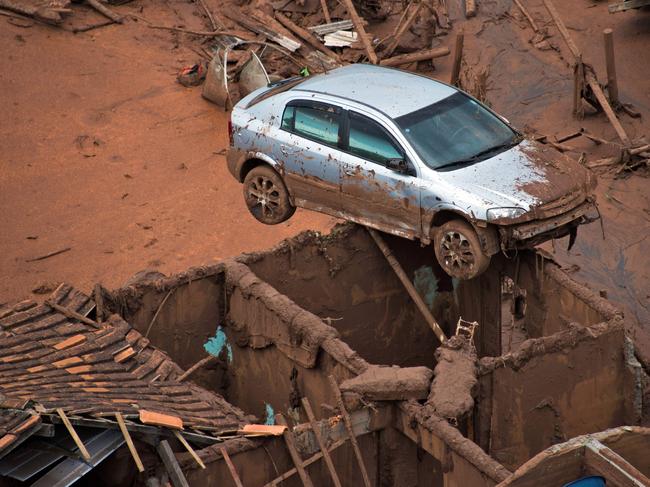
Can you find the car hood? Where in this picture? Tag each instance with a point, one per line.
(527, 175)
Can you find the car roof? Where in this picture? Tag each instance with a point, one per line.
(391, 91)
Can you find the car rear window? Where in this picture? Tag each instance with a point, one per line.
(319, 122)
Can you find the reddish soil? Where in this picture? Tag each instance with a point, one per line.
(154, 193)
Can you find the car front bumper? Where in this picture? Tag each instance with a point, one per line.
(538, 231)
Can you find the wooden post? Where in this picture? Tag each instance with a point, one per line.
(358, 25)
(410, 288)
(578, 88)
(470, 8)
(293, 452)
(314, 458)
(171, 465)
(73, 433)
(321, 443)
(458, 58)
(129, 442)
(612, 84)
(231, 467)
(348, 427)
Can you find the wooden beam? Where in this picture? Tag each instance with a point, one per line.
(604, 103)
(315, 427)
(401, 29)
(562, 28)
(532, 22)
(410, 288)
(326, 11)
(201, 363)
(415, 56)
(129, 442)
(231, 468)
(187, 446)
(293, 452)
(348, 426)
(105, 11)
(358, 25)
(619, 472)
(74, 435)
(176, 475)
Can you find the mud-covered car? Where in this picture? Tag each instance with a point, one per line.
(407, 155)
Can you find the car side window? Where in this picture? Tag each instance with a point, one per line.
(315, 121)
(369, 140)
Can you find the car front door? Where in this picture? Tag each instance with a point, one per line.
(373, 189)
(309, 150)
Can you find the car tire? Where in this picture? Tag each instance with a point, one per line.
(458, 250)
(266, 196)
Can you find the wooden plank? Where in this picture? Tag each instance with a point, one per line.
(532, 22)
(201, 363)
(348, 427)
(262, 429)
(187, 446)
(415, 56)
(129, 442)
(601, 460)
(171, 465)
(627, 5)
(604, 103)
(293, 452)
(105, 11)
(321, 443)
(612, 83)
(326, 11)
(74, 435)
(358, 25)
(410, 288)
(68, 313)
(562, 28)
(231, 468)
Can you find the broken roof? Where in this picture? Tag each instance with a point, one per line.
(92, 371)
(389, 90)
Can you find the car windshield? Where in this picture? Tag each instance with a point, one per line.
(456, 131)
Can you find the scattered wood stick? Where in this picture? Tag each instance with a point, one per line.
(86, 28)
(415, 56)
(225, 32)
(129, 442)
(48, 255)
(314, 458)
(458, 59)
(187, 446)
(321, 443)
(231, 467)
(604, 103)
(326, 11)
(45, 14)
(348, 427)
(293, 452)
(562, 28)
(201, 363)
(358, 25)
(74, 435)
(400, 30)
(532, 22)
(305, 35)
(71, 314)
(207, 11)
(105, 11)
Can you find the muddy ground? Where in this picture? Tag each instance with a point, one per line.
(102, 152)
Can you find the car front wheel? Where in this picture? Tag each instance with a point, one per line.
(266, 196)
(458, 250)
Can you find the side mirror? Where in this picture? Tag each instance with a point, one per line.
(398, 165)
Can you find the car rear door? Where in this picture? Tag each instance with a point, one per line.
(309, 142)
(370, 190)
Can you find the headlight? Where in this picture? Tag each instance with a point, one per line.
(504, 213)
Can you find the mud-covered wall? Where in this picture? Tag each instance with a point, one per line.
(552, 389)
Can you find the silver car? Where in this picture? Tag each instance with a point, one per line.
(407, 155)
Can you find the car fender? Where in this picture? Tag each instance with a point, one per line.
(487, 234)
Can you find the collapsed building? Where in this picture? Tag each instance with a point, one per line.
(321, 330)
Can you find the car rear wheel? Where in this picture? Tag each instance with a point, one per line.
(458, 250)
(266, 196)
